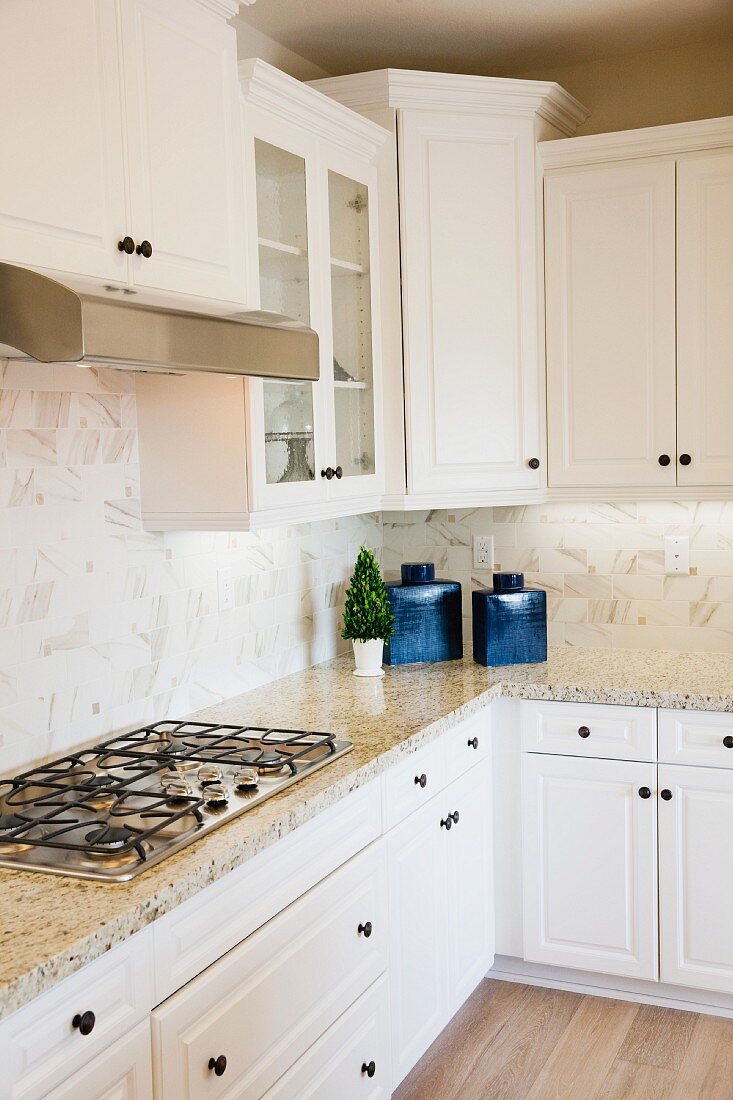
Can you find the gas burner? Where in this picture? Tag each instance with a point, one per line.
(110, 836)
(246, 779)
(99, 782)
(12, 821)
(172, 748)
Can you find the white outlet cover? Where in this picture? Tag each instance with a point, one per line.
(483, 551)
(677, 554)
(225, 588)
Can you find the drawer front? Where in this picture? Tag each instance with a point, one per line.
(467, 744)
(267, 1001)
(589, 729)
(338, 1065)
(40, 1047)
(123, 1072)
(409, 785)
(696, 737)
(187, 940)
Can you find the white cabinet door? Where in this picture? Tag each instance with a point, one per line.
(470, 898)
(610, 296)
(418, 958)
(62, 195)
(590, 864)
(705, 317)
(696, 876)
(469, 267)
(123, 1072)
(186, 180)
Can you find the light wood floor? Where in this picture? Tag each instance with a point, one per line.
(511, 1042)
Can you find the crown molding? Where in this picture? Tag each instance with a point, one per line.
(268, 88)
(225, 8)
(411, 88)
(680, 137)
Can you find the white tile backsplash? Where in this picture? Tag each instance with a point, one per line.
(104, 625)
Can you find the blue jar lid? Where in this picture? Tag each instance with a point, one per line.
(508, 582)
(418, 572)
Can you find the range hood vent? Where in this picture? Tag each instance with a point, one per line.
(42, 319)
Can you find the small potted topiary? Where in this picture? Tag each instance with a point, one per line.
(368, 618)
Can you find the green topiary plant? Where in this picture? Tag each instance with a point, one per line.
(367, 612)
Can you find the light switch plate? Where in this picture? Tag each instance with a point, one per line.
(483, 551)
(677, 554)
(225, 588)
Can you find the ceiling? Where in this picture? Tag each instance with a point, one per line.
(498, 37)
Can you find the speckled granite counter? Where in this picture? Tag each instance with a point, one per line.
(52, 926)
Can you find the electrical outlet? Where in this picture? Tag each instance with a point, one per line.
(483, 551)
(225, 588)
(676, 554)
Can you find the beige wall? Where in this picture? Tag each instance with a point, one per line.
(650, 89)
(253, 43)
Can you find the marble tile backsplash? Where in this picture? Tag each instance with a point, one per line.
(104, 625)
(601, 564)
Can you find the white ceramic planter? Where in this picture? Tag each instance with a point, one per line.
(368, 657)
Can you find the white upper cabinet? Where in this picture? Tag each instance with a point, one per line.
(705, 317)
(470, 226)
(123, 161)
(610, 295)
(62, 185)
(182, 110)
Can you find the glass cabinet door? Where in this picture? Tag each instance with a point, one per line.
(282, 226)
(353, 382)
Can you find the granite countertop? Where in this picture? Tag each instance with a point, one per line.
(51, 926)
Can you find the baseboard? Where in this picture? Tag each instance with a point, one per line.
(508, 969)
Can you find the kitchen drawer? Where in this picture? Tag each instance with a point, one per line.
(467, 744)
(409, 785)
(696, 737)
(187, 940)
(40, 1047)
(266, 1002)
(335, 1067)
(123, 1072)
(589, 729)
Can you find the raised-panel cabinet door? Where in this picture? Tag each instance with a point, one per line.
(62, 189)
(470, 882)
(469, 268)
(610, 298)
(122, 1072)
(696, 876)
(590, 864)
(418, 958)
(186, 180)
(705, 317)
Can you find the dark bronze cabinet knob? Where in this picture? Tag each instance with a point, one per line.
(365, 930)
(84, 1022)
(369, 1068)
(339, 472)
(664, 460)
(126, 245)
(473, 743)
(218, 1065)
(456, 817)
(583, 731)
(327, 473)
(644, 792)
(534, 463)
(145, 249)
(447, 822)
(728, 742)
(685, 460)
(666, 795)
(421, 781)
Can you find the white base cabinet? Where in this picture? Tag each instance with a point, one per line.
(441, 912)
(124, 1072)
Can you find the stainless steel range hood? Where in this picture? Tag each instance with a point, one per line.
(43, 319)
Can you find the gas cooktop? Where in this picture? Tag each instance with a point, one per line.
(111, 811)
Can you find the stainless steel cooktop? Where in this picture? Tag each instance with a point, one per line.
(111, 811)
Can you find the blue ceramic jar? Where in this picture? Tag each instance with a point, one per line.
(428, 622)
(509, 622)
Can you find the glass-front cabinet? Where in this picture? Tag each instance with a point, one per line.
(311, 167)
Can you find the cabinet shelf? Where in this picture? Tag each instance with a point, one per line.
(340, 385)
(279, 246)
(345, 268)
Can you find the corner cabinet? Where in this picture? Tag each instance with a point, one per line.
(639, 277)
(143, 192)
(471, 233)
(289, 451)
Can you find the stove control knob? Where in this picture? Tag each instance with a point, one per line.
(209, 773)
(216, 794)
(176, 787)
(246, 779)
